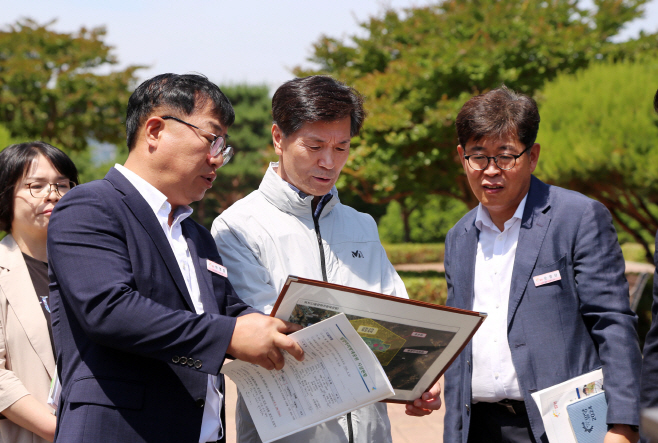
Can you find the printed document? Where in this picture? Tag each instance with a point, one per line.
(552, 403)
(339, 374)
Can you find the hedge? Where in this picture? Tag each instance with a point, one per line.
(399, 253)
(427, 286)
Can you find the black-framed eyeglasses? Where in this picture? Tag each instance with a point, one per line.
(217, 145)
(42, 189)
(505, 162)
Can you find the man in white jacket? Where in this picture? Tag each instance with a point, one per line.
(294, 224)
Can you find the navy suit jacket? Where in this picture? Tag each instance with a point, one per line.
(559, 330)
(132, 354)
(650, 362)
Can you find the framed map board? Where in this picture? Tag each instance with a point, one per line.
(414, 341)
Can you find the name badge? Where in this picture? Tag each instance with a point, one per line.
(217, 268)
(549, 277)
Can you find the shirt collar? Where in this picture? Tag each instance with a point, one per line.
(156, 200)
(323, 201)
(483, 218)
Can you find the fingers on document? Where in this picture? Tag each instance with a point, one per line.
(290, 346)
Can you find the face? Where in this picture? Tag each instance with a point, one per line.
(32, 215)
(312, 157)
(500, 191)
(182, 167)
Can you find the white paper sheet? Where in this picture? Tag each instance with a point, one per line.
(339, 374)
(552, 403)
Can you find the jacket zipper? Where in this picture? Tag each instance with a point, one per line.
(316, 222)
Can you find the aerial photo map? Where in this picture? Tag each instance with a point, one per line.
(406, 352)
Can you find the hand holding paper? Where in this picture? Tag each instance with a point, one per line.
(258, 339)
(339, 374)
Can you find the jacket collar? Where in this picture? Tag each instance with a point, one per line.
(278, 192)
(16, 284)
(147, 218)
(534, 224)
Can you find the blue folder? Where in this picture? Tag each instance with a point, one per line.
(588, 418)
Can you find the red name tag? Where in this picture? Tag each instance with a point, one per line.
(217, 268)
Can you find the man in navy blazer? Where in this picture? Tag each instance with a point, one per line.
(545, 264)
(143, 314)
(650, 362)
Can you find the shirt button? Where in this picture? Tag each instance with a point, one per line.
(497, 306)
(496, 375)
(201, 402)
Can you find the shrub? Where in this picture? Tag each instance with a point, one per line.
(430, 287)
(634, 252)
(415, 252)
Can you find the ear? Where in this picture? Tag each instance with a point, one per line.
(534, 156)
(461, 153)
(277, 139)
(153, 131)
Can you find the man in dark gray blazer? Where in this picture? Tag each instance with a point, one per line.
(545, 264)
(650, 362)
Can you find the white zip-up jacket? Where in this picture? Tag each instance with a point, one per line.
(271, 234)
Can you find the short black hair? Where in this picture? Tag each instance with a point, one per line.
(498, 114)
(15, 161)
(182, 93)
(316, 98)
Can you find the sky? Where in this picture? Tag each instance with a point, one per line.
(246, 41)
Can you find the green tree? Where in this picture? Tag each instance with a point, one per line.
(599, 136)
(429, 223)
(49, 88)
(419, 66)
(251, 138)
(5, 138)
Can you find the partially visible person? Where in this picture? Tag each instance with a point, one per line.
(33, 177)
(143, 314)
(294, 224)
(649, 390)
(545, 264)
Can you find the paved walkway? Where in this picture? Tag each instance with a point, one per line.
(404, 429)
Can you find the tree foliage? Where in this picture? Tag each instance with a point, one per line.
(428, 224)
(50, 89)
(251, 138)
(599, 136)
(419, 66)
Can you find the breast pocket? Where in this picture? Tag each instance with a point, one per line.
(552, 275)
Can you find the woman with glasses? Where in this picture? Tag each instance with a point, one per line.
(33, 177)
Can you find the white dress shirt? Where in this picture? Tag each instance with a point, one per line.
(494, 377)
(211, 425)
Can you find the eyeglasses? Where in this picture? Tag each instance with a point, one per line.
(43, 189)
(217, 145)
(505, 162)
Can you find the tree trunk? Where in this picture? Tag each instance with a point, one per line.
(406, 211)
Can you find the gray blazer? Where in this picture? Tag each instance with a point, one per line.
(559, 330)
